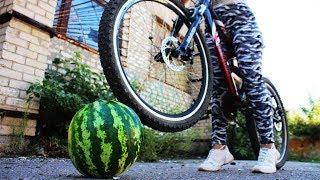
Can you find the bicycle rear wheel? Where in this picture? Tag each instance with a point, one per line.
(169, 94)
(280, 126)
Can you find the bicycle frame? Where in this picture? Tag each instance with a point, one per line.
(204, 9)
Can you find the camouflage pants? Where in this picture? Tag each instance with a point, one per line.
(247, 41)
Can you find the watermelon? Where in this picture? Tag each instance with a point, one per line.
(104, 139)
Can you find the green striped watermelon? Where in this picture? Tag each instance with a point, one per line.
(104, 138)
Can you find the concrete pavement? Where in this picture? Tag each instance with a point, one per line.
(49, 168)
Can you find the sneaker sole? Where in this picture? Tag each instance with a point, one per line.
(264, 172)
(227, 162)
(206, 170)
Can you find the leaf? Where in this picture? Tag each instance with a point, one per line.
(67, 87)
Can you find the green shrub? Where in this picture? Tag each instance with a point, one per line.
(68, 85)
(306, 123)
(238, 140)
(158, 145)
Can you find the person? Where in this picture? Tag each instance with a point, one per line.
(241, 25)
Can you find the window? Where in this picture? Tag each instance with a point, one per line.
(78, 21)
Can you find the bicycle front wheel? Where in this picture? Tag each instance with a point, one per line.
(135, 42)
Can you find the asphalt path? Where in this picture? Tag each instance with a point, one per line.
(49, 168)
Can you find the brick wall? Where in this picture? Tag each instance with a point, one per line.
(41, 11)
(60, 48)
(23, 60)
(24, 57)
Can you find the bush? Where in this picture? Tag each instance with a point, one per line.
(158, 145)
(68, 85)
(306, 123)
(238, 140)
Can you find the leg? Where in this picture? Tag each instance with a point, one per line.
(247, 42)
(219, 154)
(219, 122)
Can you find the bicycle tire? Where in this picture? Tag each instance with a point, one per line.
(119, 85)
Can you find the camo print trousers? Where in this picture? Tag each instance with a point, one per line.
(247, 43)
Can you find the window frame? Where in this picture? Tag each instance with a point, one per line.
(63, 20)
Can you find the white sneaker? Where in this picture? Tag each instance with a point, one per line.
(267, 161)
(215, 159)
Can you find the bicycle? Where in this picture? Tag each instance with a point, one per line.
(156, 61)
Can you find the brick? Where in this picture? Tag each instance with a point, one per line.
(36, 9)
(8, 2)
(53, 3)
(3, 10)
(23, 94)
(3, 31)
(35, 105)
(44, 44)
(5, 130)
(11, 121)
(2, 38)
(12, 130)
(13, 32)
(20, 25)
(24, 11)
(13, 57)
(23, 68)
(17, 102)
(43, 20)
(39, 49)
(35, 64)
(41, 34)
(20, 2)
(12, 92)
(46, 6)
(31, 78)
(10, 47)
(2, 100)
(4, 25)
(26, 53)
(33, 1)
(19, 84)
(42, 58)
(17, 41)
(29, 37)
(30, 131)
(10, 8)
(6, 63)
(6, 9)
(4, 81)
(49, 15)
(6, 72)
(39, 73)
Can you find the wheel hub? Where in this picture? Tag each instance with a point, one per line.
(168, 44)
